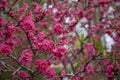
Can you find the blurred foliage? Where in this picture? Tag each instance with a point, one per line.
(5, 75)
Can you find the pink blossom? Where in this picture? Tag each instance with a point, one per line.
(23, 74)
(8, 33)
(89, 69)
(90, 48)
(60, 51)
(11, 43)
(72, 25)
(23, 8)
(3, 4)
(47, 46)
(28, 24)
(105, 62)
(81, 13)
(5, 49)
(37, 7)
(57, 28)
(32, 37)
(63, 74)
(1, 21)
(50, 72)
(42, 65)
(41, 36)
(1, 35)
(109, 71)
(63, 40)
(26, 57)
(103, 1)
(107, 31)
(44, 24)
(34, 4)
(9, 30)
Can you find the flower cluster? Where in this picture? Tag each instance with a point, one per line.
(5, 49)
(57, 28)
(44, 67)
(23, 74)
(3, 4)
(109, 72)
(47, 46)
(26, 57)
(60, 52)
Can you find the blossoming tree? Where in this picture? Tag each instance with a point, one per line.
(59, 40)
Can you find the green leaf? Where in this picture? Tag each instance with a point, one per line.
(5, 75)
(78, 64)
(42, 56)
(97, 44)
(104, 53)
(82, 36)
(77, 44)
(57, 69)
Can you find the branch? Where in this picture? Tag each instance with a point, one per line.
(72, 67)
(86, 64)
(28, 69)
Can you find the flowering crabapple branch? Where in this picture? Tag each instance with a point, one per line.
(59, 39)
